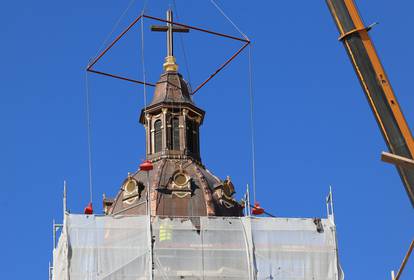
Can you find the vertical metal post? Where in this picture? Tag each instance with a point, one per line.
(170, 37)
(248, 201)
(64, 198)
(339, 270)
(150, 227)
(147, 167)
(330, 206)
(50, 272)
(148, 195)
(54, 234)
(327, 207)
(55, 229)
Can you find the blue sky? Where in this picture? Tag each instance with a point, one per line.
(313, 124)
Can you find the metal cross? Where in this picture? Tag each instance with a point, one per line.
(170, 29)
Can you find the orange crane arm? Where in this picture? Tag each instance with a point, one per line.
(376, 85)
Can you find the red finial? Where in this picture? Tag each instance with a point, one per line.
(88, 209)
(257, 210)
(146, 165)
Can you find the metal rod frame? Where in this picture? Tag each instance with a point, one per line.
(407, 256)
(90, 66)
(397, 160)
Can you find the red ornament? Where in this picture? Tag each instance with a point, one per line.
(146, 166)
(88, 209)
(257, 210)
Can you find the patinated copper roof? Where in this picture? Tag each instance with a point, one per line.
(179, 184)
(203, 195)
(171, 91)
(171, 87)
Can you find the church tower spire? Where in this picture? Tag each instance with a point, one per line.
(172, 120)
(178, 185)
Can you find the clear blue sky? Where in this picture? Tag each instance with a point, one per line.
(313, 124)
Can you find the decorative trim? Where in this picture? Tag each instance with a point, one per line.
(207, 192)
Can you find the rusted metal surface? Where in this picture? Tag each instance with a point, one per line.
(220, 68)
(207, 191)
(171, 88)
(178, 185)
(376, 85)
(197, 200)
(113, 43)
(171, 91)
(397, 160)
(120, 77)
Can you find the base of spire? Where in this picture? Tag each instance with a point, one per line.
(170, 65)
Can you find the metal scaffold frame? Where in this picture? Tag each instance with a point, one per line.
(95, 247)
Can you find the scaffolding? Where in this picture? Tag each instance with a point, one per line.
(139, 247)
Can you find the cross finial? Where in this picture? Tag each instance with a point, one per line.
(170, 28)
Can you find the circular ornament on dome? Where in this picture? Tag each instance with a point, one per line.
(180, 179)
(131, 188)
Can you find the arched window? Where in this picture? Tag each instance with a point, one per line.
(190, 136)
(157, 136)
(175, 134)
(196, 139)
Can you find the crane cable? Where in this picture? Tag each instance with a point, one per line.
(87, 92)
(252, 128)
(251, 99)
(187, 66)
(116, 25)
(88, 123)
(229, 19)
(145, 93)
(144, 72)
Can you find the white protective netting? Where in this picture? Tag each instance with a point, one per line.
(200, 248)
(109, 248)
(293, 249)
(104, 248)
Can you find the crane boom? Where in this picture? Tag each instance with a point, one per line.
(376, 85)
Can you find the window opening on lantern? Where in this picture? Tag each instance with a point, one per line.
(189, 136)
(157, 136)
(175, 134)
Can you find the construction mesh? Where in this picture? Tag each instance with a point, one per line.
(119, 248)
